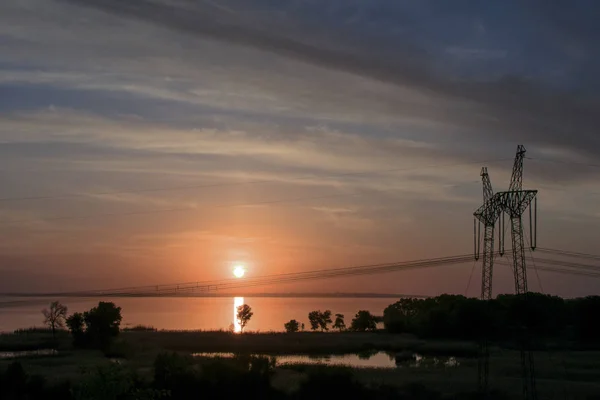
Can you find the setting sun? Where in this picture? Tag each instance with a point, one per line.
(239, 271)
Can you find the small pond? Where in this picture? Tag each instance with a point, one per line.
(368, 360)
(4, 355)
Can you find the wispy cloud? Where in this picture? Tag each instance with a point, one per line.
(366, 110)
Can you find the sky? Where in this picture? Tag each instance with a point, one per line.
(162, 141)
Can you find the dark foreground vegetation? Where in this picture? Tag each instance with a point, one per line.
(174, 376)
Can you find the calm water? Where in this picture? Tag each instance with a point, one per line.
(30, 353)
(200, 313)
(376, 360)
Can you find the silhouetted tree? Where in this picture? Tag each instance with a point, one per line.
(325, 320)
(303, 327)
(244, 313)
(76, 325)
(292, 326)
(313, 319)
(55, 316)
(96, 327)
(339, 322)
(403, 315)
(459, 317)
(363, 321)
(102, 323)
(320, 320)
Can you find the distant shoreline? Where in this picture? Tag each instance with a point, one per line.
(204, 295)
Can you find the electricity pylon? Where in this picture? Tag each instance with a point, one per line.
(487, 216)
(513, 202)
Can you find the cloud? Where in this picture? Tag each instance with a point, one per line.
(512, 106)
(283, 164)
(350, 85)
(152, 93)
(476, 53)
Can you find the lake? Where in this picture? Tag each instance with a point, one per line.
(198, 313)
(377, 359)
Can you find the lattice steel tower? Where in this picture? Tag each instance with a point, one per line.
(487, 215)
(513, 203)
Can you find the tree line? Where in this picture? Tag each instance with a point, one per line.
(459, 317)
(443, 317)
(98, 326)
(321, 320)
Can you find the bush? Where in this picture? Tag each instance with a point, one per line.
(292, 326)
(114, 382)
(241, 377)
(76, 325)
(15, 383)
(324, 383)
(119, 349)
(170, 368)
(102, 323)
(363, 321)
(96, 327)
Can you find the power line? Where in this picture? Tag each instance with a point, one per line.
(260, 281)
(586, 267)
(537, 274)
(228, 284)
(177, 286)
(565, 268)
(567, 253)
(470, 277)
(564, 271)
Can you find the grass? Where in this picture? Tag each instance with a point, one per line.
(296, 343)
(34, 339)
(140, 328)
(564, 374)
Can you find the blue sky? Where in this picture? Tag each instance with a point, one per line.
(104, 97)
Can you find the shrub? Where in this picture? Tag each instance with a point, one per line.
(364, 321)
(292, 326)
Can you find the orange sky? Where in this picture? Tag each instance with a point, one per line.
(158, 154)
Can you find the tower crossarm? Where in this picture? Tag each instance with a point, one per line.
(514, 203)
(489, 212)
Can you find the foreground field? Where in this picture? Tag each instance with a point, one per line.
(561, 374)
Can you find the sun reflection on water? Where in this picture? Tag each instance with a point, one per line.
(237, 301)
